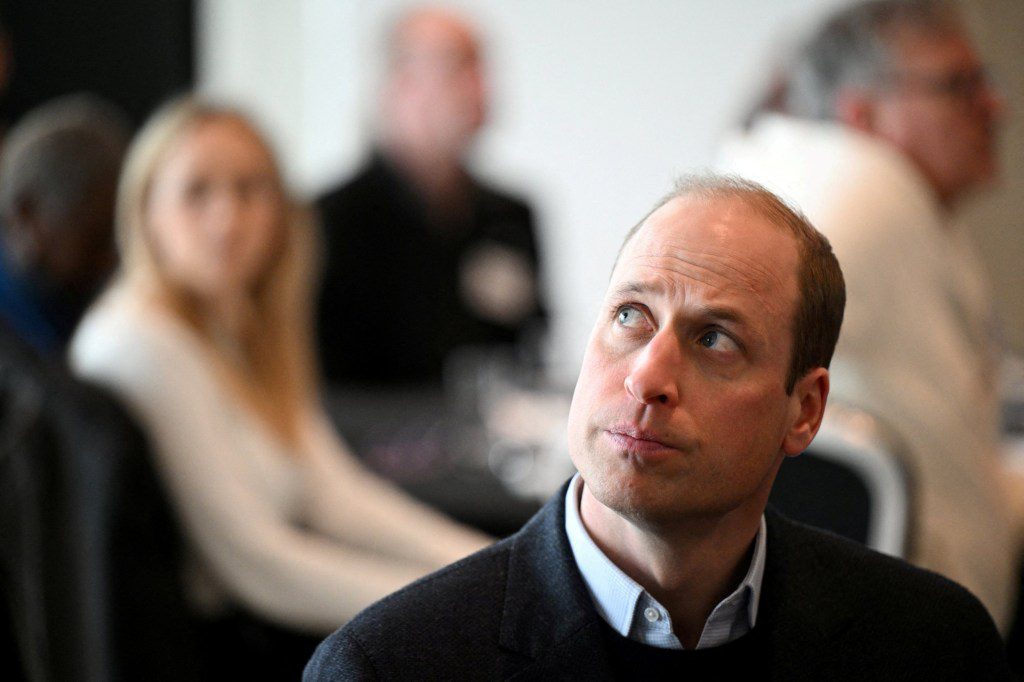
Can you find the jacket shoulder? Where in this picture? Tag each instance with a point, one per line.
(900, 599)
(853, 566)
(855, 610)
(499, 197)
(373, 183)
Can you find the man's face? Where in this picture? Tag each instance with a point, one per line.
(84, 257)
(440, 80)
(941, 112)
(67, 250)
(680, 410)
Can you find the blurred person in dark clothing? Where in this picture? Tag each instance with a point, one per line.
(58, 174)
(88, 550)
(421, 257)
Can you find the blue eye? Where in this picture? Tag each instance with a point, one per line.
(716, 340)
(629, 316)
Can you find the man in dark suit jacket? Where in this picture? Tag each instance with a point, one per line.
(421, 258)
(707, 367)
(521, 608)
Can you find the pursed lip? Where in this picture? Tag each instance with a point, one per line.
(635, 439)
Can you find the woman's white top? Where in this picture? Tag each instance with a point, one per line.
(305, 538)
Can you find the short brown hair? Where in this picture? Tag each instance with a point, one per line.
(819, 310)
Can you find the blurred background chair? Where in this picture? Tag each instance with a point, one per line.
(89, 584)
(852, 481)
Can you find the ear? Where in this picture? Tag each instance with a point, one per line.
(806, 408)
(855, 108)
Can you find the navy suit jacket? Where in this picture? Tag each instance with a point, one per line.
(830, 609)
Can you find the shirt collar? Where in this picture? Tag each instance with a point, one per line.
(633, 612)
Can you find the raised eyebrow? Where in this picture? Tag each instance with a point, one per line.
(702, 311)
(719, 313)
(635, 288)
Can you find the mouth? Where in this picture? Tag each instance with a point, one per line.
(636, 441)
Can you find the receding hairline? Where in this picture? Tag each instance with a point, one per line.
(400, 32)
(713, 187)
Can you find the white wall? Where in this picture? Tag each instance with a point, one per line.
(598, 104)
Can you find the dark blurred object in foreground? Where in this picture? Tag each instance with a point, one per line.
(88, 551)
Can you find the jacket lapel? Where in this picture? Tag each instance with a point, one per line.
(548, 615)
(800, 614)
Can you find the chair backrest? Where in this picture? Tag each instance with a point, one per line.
(89, 551)
(852, 481)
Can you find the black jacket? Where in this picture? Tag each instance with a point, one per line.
(89, 553)
(830, 609)
(391, 308)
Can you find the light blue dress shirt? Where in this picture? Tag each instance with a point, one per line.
(633, 613)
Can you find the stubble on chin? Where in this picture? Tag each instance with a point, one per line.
(620, 484)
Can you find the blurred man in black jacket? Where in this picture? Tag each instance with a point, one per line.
(421, 257)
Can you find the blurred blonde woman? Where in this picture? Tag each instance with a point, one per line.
(205, 334)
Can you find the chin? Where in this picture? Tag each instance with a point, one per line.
(659, 511)
(634, 494)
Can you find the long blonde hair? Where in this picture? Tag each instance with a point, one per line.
(280, 377)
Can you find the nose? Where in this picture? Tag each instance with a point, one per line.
(226, 214)
(654, 376)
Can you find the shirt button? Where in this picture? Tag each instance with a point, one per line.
(651, 614)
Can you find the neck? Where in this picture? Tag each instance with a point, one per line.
(944, 197)
(688, 567)
(233, 317)
(226, 320)
(436, 173)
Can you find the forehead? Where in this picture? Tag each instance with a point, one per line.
(713, 249)
(436, 35)
(224, 141)
(226, 130)
(935, 50)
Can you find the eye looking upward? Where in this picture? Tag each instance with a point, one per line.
(714, 339)
(630, 317)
